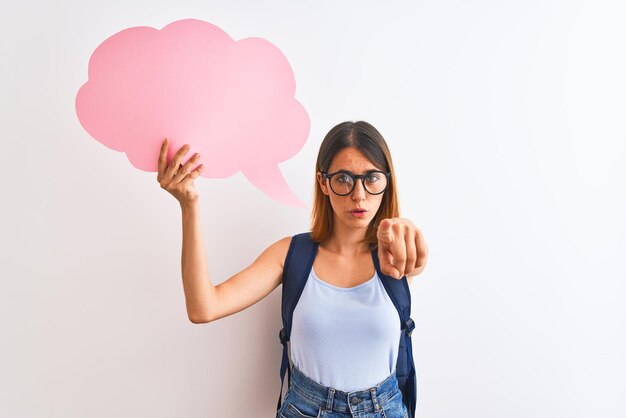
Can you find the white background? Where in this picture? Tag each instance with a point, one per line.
(505, 120)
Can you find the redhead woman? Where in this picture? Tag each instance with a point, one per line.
(345, 337)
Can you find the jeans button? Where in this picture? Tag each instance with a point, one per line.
(355, 400)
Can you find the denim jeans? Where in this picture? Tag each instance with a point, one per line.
(306, 398)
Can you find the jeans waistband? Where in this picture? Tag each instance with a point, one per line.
(331, 399)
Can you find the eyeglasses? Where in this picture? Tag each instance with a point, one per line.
(342, 182)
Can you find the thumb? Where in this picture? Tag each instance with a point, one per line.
(384, 234)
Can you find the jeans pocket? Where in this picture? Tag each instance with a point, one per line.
(296, 406)
(293, 412)
(394, 407)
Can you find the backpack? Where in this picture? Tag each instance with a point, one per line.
(298, 265)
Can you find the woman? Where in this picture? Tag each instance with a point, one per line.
(355, 209)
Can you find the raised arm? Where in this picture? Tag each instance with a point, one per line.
(198, 288)
(204, 301)
(252, 284)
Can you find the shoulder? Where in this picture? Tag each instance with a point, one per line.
(278, 250)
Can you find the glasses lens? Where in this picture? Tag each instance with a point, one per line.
(342, 183)
(375, 182)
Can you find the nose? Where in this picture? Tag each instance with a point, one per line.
(359, 192)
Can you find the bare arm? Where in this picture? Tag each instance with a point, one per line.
(252, 284)
(206, 302)
(199, 291)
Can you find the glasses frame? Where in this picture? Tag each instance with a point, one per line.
(356, 177)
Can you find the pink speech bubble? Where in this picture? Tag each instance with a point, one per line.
(190, 82)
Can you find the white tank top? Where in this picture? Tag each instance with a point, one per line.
(345, 338)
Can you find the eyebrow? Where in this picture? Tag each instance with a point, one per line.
(341, 170)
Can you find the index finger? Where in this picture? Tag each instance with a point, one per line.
(163, 157)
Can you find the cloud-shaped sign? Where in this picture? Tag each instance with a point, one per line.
(190, 82)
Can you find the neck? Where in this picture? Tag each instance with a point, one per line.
(347, 241)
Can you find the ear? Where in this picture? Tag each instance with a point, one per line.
(322, 183)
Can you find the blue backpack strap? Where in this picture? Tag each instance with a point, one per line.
(298, 264)
(398, 290)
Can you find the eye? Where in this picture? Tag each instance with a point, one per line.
(372, 177)
(344, 178)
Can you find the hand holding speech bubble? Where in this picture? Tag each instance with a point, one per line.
(231, 101)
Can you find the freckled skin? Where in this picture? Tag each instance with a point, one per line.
(344, 223)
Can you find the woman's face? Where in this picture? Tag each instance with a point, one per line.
(352, 160)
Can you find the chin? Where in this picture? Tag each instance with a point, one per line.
(360, 223)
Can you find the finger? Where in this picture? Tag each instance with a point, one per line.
(386, 263)
(411, 251)
(186, 169)
(384, 234)
(175, 163)
(398, 248)
(422, 249)
(191, 176)
(162, 165)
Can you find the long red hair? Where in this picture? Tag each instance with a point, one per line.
(365, 138)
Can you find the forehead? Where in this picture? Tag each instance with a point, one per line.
(351, 159)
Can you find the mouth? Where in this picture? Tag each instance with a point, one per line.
(359, 213)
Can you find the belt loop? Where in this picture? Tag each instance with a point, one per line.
(329, 400)
(374, 399)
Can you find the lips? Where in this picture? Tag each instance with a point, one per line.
(359, 210)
